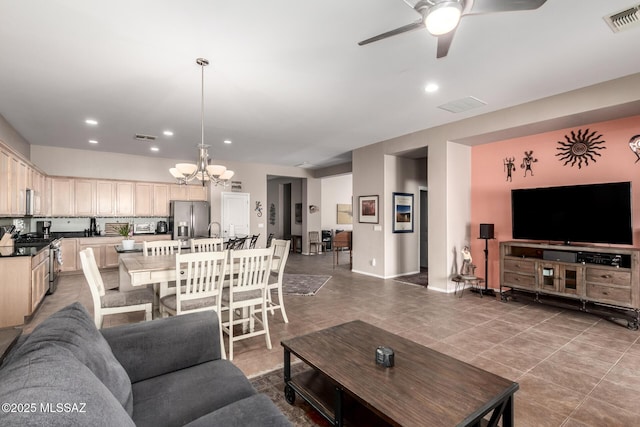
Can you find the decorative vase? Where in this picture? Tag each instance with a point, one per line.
(127, 244)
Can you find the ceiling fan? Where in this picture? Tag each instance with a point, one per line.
(441, 17)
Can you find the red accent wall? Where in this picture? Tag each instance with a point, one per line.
(491, 191)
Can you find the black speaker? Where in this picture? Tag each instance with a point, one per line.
(486, 231)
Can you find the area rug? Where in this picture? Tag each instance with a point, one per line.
(303, 284)
(421, 278)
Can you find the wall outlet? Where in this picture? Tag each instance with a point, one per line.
(373, 262)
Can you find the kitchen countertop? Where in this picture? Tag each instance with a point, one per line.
(18, 250)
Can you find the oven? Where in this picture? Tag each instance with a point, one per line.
(55, 262)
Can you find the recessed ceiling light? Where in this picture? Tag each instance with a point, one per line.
(227, 141)
(91, 122)
(431, 87)
(167, 133)
(155, 149)
(93, 141)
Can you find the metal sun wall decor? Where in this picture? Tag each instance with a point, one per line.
(509, 167)
(634, 144)
(527, 160)
(580, 147)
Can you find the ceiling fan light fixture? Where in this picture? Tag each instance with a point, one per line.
(443, 17)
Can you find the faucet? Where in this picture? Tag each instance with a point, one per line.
(219, 229)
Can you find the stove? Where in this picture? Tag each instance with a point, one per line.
(55, 254)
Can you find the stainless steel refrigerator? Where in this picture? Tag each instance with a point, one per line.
(194, 215)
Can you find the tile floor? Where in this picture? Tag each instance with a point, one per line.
(574, 369)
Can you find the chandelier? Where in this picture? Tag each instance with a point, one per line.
(202, 170)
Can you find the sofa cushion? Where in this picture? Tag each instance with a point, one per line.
(59, 391)
(182, 396)
(254, 411)
(73, 329)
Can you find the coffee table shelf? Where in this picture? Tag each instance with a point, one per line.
(424, 387)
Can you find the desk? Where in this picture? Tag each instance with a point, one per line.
(424, 388)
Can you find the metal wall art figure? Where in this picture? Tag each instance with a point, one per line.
(634, 144)
(580, 147)
(527, 160)
(509, 167)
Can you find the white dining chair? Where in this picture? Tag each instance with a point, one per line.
(106, 302)
(280, 256)
(201, 276)
(246, 295)
(212, 244)
(159, 248)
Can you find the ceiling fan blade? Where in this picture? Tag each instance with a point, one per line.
(491, 6)
(409, 27)
(444, 42)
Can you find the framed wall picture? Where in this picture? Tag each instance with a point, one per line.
(402, 213)
(368, 209)
(344, 214)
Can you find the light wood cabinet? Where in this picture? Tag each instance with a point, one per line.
(606, 277)
(160, 200)
(197, 192)
(39, 278)
(85, 197)
(103, 250)
(62, 197)
(124, 198)
(144, 199)
(69, 251)
(105, 198)
(5, 183)
(178, 192)
(25, 280)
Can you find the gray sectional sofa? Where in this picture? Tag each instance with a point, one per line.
(166, 372)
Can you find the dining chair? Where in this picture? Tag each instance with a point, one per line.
(253, 241)
(230, 243)
(160, 247)
(201, 276)
(239, 243)
(106, 302)
(207, 245)
(270, 239)
(247, 295)
(280, 256)
(314, 240)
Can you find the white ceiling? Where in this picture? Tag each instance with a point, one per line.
(287, 82)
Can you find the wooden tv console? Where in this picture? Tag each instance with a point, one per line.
(601, 280)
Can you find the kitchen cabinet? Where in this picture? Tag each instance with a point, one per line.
(160, 200)
(5, 183)
(25, 280)
(69, 251)
(597, 279)
(62, 197)
(39, 278)
(103, 250)
(105, 198)
(124, 198)
(85, 197)
(144, 199)
(197, 192)
(178, 192)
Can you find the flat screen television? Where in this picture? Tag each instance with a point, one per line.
(593, 213)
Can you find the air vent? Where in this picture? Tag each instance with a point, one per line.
(461, 105)
(141, 137)
(624, 20)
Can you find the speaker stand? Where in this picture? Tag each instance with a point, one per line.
(486, 291)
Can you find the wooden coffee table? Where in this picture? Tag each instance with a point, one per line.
(424, 387)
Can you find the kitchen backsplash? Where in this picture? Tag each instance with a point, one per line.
(80, 224)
